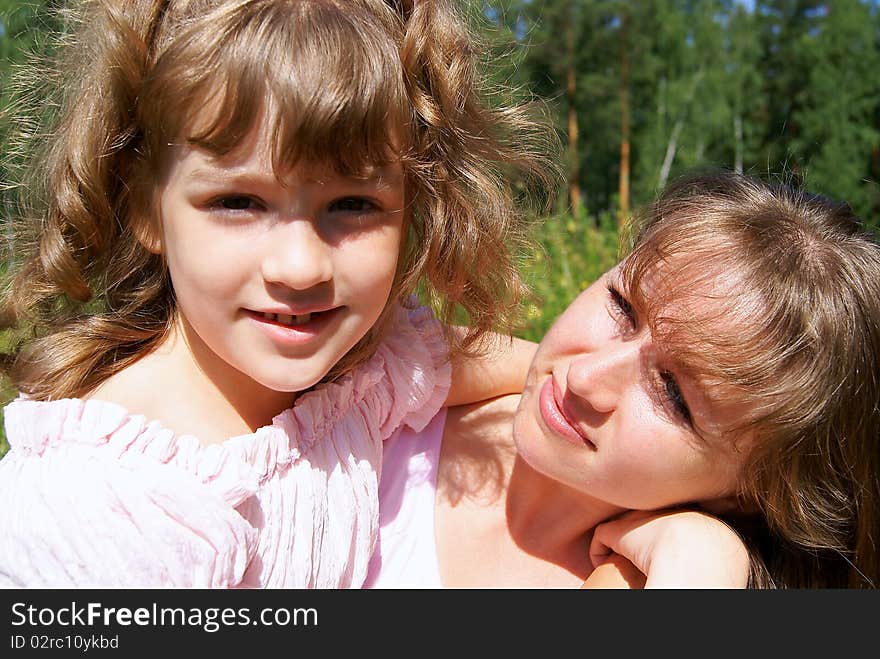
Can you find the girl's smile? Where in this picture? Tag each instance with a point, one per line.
(277, 275)
(294, 329)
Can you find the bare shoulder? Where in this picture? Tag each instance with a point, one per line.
(477, 451)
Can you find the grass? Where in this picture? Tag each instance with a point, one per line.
(576, 251)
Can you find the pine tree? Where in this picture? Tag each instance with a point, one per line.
(842, 97)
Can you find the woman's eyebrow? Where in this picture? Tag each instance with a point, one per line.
(698, 393)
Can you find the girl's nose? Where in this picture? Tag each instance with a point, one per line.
(297, 256)
(601, 376)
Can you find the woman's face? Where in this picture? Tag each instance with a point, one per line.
(607, 411)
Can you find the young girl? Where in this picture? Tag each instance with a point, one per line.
(227, 221)
(730, 363)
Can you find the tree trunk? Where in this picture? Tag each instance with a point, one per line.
(671, 148)
(672, 145)
(574, 173)
(623, 185)
(738, 136)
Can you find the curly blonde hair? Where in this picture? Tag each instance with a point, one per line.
(353, 82)
(792, 340)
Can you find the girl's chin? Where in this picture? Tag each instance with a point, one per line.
(288, 388)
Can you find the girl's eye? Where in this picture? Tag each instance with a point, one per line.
(671, 393)
(622, 308)
(352, 205)
(237, 203)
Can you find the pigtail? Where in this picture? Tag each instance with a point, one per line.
(481, 173)
(87, 292)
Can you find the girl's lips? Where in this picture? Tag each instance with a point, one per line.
(290, 329)
(555, 419)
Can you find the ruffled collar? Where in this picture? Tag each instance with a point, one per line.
(37, 426)
(412, 356)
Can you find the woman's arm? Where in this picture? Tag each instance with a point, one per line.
(673, 549)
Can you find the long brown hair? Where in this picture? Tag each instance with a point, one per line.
(792, 343)
(353, 82)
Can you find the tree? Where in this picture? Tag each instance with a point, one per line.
(785, 28)
(743, 84)
(841, 100)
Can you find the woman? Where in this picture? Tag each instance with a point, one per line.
(728, 364)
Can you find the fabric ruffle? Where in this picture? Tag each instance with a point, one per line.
(300, 495)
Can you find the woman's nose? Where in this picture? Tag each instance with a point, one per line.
(601, 376)
(297, 256)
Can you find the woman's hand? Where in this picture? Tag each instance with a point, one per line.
(674, 549)
(615, 572)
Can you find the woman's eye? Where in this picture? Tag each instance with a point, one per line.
(672, 395)
(622, 308)
(352, 205)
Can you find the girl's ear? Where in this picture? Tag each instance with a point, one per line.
(147, 233)
(143, 206)
(145, 222)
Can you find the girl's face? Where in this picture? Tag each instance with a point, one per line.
(277, 279)
(608, 412)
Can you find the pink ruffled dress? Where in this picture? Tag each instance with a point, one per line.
(93, 496)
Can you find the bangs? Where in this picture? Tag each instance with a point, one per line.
(708, 307)
(324, 76)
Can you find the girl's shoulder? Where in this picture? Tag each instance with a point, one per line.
(35, 427)
(405, 382)
(413, 367)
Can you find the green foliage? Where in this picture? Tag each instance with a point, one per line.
(576, 251)
(24, 27)
(788, 88)
(837, 136)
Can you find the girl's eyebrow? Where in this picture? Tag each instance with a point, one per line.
(386, 176)
(224, 175)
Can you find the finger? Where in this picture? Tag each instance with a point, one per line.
(615, 572)
(606, 539)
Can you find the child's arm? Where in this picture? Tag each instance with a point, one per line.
(675, 549)
(501, 370)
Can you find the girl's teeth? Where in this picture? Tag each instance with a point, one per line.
(288, 319)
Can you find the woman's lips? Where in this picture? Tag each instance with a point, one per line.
(555, 419)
